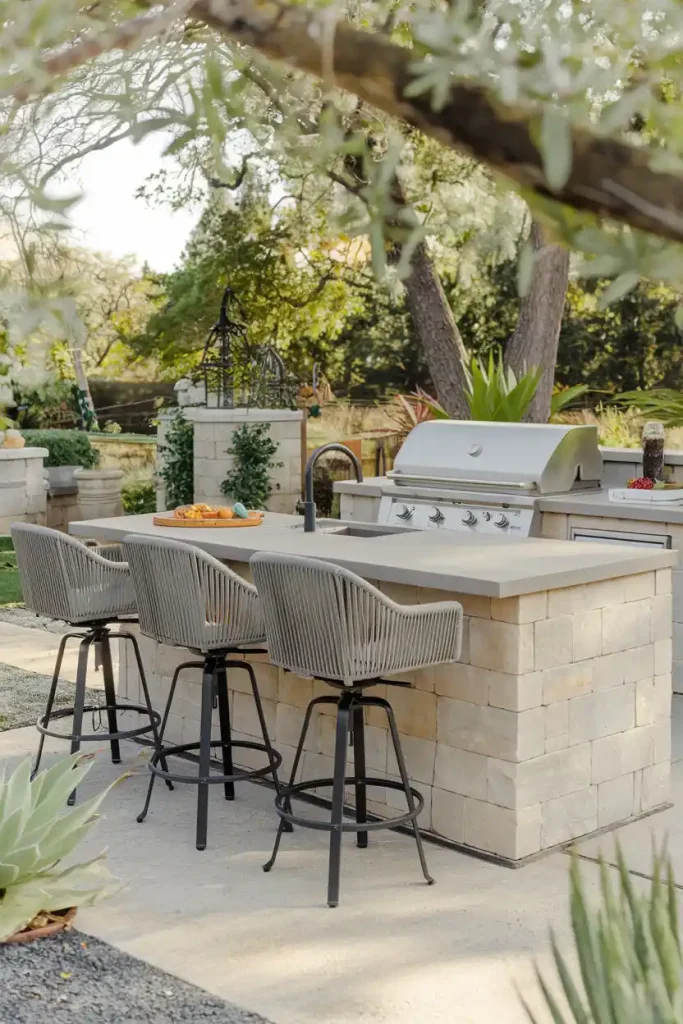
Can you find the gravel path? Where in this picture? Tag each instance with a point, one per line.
(75, 978)
(24, 617)
(23, 696)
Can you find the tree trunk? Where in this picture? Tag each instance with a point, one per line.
(535, 338)
(434, 322)
(438, 332)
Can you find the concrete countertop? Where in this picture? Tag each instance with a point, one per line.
(489, 566)
(597, 503)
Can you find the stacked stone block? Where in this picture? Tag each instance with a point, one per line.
(555, 723)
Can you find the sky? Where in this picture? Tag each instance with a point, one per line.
(111, 220)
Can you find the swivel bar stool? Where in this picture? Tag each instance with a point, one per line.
(324, 621)
(188, 599)
(64, 579)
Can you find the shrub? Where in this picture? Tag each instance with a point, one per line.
(46, 406)
(253, 450)
(177, 467)
(139, 498)
(65, 447)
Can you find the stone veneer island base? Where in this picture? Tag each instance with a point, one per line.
(556, 722)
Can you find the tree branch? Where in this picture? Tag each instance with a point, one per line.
(608, 178)
(59, 62)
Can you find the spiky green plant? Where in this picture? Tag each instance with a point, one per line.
(564, 397)
(36, 833)
(628, 950)
(495, 393)
(663, 404)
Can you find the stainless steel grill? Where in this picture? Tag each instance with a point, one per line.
(485, 477)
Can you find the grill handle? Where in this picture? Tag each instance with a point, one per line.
(489, 485)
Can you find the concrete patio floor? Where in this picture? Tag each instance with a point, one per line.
(394, 950)
(36, 650)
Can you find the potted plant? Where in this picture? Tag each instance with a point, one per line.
(38, 894)
(68, 451)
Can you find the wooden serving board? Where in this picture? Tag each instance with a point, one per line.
(254, 518)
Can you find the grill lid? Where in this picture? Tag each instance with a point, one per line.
(537, 458)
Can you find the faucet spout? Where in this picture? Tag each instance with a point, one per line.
(309, 503)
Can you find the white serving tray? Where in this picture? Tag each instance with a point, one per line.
(634, 496)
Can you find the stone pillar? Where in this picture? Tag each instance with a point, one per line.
(163, 423)
(22, 487)
(213, 432)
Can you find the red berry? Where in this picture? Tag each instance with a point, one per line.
(641, 483)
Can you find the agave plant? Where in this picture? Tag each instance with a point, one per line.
(494, 392)
(628, 950)
(36, 833)
(663, 404)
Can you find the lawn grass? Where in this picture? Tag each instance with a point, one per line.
(10, 586)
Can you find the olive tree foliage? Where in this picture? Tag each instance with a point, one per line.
(576, 105)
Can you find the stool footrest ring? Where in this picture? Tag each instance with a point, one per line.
(100, 737)
(286, 793)
(274, 763)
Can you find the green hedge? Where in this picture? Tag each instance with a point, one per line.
(139, 499)
(65, 447)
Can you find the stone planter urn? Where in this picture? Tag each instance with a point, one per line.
(99, 493)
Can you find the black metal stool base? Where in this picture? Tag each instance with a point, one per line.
(287, 792)
(214, 694)
(100, 737)
(350, 728)
(275, 760)
(97, 633)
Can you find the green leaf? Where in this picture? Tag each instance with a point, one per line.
(570, 990)
(79, 885)
(556, 147)
(587, 947)
(17, 795)
(525, 269)
(551, 1002)
(564, 398)
(617, 289)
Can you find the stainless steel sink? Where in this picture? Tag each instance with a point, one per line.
(352, 529)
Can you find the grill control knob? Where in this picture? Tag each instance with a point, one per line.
(403, 512)
(437, 516)
(501, 520)
(469, 519)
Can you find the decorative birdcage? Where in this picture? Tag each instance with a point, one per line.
(226, 358)
(234, 373)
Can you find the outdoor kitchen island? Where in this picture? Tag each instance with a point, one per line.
(557, 720)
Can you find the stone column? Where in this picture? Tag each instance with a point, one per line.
(213, 433)
(164, 422)
(22, 487)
